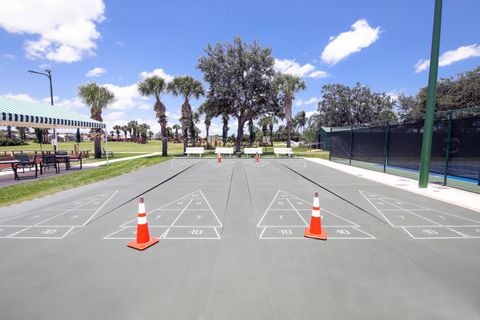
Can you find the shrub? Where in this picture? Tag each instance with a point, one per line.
(12, 142)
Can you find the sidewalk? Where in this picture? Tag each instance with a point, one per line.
(446, 194)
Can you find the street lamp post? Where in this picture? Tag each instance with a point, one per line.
(48, 74)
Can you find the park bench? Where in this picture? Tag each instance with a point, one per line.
(252, 151)
(24, 162)
(194, 150)
(76, 157)
(223, 150)
(283, 151)
(49, 160)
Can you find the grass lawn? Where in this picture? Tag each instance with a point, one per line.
(29, 190)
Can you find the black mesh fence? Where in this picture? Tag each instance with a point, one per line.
(455, 156)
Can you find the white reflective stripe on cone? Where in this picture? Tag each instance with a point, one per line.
(142, 220)
(141, 207)
(316, 202)
(316, 213)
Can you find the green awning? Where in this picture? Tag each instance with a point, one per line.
(14, 112)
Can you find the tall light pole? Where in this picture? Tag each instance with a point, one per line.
(48, 74)
(432, 87)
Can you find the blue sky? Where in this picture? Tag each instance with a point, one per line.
(383, 44)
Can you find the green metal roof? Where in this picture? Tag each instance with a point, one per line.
(14, 112)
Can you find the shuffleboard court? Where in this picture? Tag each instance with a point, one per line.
(232, 247)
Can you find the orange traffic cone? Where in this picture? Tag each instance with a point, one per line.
(219, 158)
(315, 230)
(257, 158)
(143, 240)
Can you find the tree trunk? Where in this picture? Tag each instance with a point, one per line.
(271, 135)
(289, 129)
(98, 146)
(163, 128)
(185, 138)
(207, 128)
(288, 115)
(238, 143)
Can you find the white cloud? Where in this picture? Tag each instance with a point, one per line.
(341, 46)
(300, 102)
(45, 66)
(293, 68)
(126, 97)
(119, 43)
(62, 31)
(449, 57)
(95, 72)
(318, 74)
(157, 72)
(20, 96)
(9, 56)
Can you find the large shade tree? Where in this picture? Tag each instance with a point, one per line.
(240, 78)
(155, 86)
(97, 98)
(287, 86)
(342, 105)
(187, 87)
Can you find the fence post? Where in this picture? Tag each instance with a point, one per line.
(351, 146)
(385, 146)
(447, 148)
(330, 147)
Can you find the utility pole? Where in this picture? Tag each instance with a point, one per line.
(430, 110)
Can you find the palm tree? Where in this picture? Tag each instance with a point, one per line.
(150, 135)
(142, 132)
(124, 129)
(288, 85)
(98, 98)
(132, 129)
(155, 86)
(194, 131)
(203, 109)
(176, 127)
(117, 129)
(301, 120)
(186, 87)
(22, 131)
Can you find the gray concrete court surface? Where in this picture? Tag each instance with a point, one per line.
(232, 247)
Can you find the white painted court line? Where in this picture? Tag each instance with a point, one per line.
(101, 207)
(208, 203)
(392, 202)
(432, 238)
(268, 208)
(288, 197)
(298, 213)
(192, 196)
(174, 221)
(366, 198)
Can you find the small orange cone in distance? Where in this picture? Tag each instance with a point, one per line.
(257, 158)
(315, 230)
(219, 158)
(143, 240)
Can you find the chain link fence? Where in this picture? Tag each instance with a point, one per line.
(396, 147)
